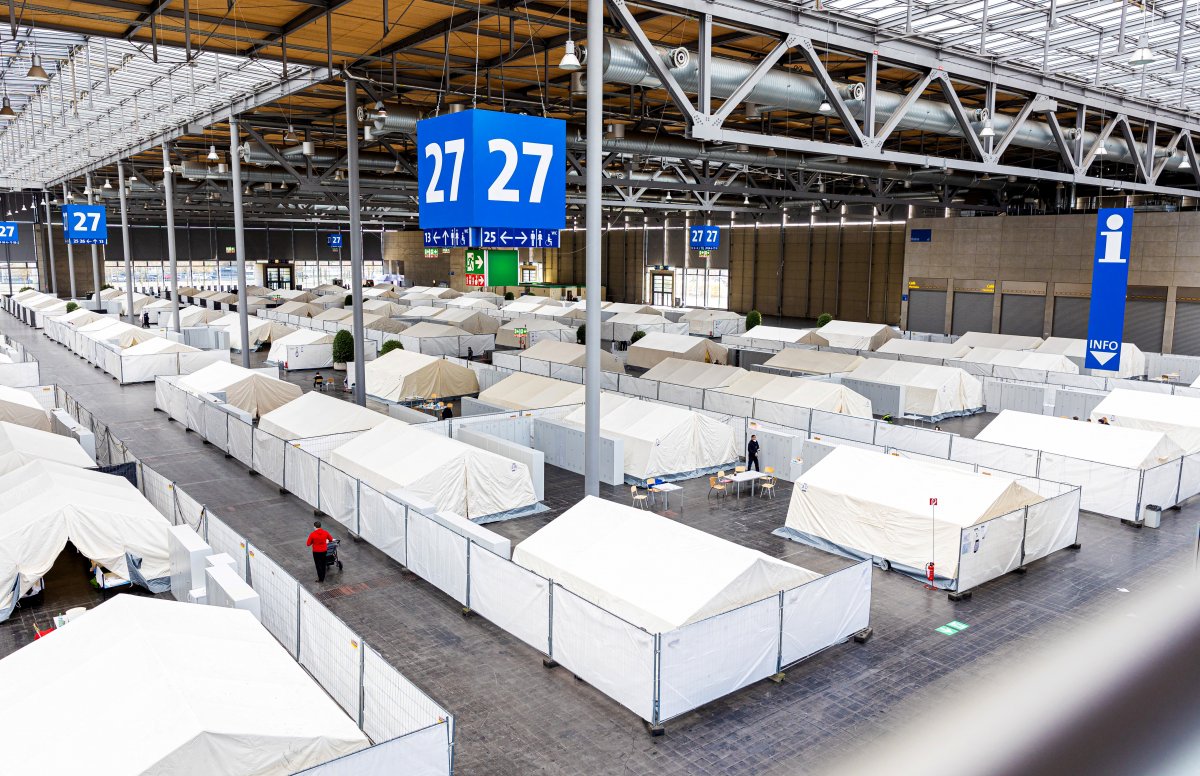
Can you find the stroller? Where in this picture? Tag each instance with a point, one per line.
(331, 554)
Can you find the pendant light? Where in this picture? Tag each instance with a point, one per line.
(290, 135)
(212, 154)
(6, 111)
(825, 106)
(36, 71)
(107, 185)
(570, 61)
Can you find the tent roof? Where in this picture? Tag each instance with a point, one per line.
(857, 335)
(471, 302)
(523, 308)
(405, 374)
(525, 391)
(1133, 360)
(316, 414)
(20, 444)
(430, 329)
(214, 377)
(983, 339)
(817, 362)
(798, 392)
(535, 324)
(623, 308)
(156, 345)
(1022, 359)
(421, 312)
(1128, 447)
(189, 661)
(80, 317)
(947, 350)
(696, 374)
(656, 346)
(299, 308)
(710, 315)
(781, 334)
(654, 572)
(333, 314)
(451, 474)
(305, 337)
(1176, 416)
(637, 319)
(570, 353)
(906, 372)
(20, 407)
(246, 389)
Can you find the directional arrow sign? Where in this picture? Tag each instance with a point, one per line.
(1110, 278)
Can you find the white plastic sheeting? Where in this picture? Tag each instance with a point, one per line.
(661, 439)
(186, 658)
(1176, 416)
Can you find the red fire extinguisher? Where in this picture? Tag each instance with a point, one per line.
(929, 571)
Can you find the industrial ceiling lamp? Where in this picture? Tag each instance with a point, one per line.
(212, 154)
(1185, 164)
(1144, 55)
(36, 71)
(107, 185)
(825, 107)
(380, 110)
(6, 111)
(570, 62)
(290, 135)
(987, 130)
(1101, 151)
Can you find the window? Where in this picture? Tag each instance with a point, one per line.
(15, 274)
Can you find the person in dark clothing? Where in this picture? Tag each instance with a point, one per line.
(145, 320)
(319, 541)
(470, 354)
(752, 454)
(447, 413)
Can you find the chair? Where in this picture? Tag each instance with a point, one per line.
(769, 469)
(767, 486)
(651, 490)
(714, 484)
(639, 499)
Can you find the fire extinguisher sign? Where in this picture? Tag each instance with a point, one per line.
(933, 501)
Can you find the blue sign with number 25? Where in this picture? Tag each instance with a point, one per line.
(484, 168)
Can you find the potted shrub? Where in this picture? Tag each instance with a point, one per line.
(24, 288)
(637, 335)
(823, 319)
(581, 334)
(753, 318)
(508, 296)
(343, 349)
(72, 307)
(349, 300)
(389, 346)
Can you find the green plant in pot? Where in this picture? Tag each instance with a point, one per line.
(343, 349)
(823, 319)
(389, 346)
(637, 335)
(72, 307)
(753, 318)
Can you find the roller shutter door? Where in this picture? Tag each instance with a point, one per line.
(927, 311)
(1144, 319)
(1187, 329)
(1022, 315)
(972, 312)
(1070, 317)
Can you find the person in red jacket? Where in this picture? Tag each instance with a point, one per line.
(319, 541)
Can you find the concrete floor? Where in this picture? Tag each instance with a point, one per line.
(516, 717)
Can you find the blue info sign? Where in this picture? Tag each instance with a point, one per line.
(1110, 277)
(704, 238)
(334, 240)
(484, 168)
(8, 233)
(85, 224)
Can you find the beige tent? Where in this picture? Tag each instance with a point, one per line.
(570, 354)
(714, 323)
(799, 392)
(814, 362)
(947, 351)
(470, 321)
(853, 335)
(389, 325)
(621, 308)
(983, 339)
(318, 414)
(294, 295)
(655, 347)
(404, 375)
(421, 311)
(20, 445)
(466, 301)
(524, 391)
(328, 289)
(302, 309)
(696, 374)
(157, 345)
(246, 389)
(333, 314)
(260, 329)
(384, 307)
(19, 407)
(776, 337)
(538, 329)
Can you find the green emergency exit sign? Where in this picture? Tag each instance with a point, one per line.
(498, 267)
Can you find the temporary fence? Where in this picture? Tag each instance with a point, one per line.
(411, 732)
(131, 368)
(18, 367)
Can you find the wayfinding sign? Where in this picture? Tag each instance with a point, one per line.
(8, 233)
(482, 168)
(334, 240)
(1110, 278)
(704, 238)
(85, 224)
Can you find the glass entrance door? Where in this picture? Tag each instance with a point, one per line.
(279, 276)
(662, 288)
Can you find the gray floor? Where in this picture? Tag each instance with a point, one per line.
(516, 717)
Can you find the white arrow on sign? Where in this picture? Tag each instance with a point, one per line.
(523, 237)
(1102, 357)
(504, 237)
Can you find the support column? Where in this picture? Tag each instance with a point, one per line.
(70, 248)
(97, 277)
(126, 248)
(50, 242)
(595, 153)
(172, 256)
(239, 236)
(356, 245)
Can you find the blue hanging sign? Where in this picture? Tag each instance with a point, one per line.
(85, 224)
(334, 240)
(8, 233)
(704, 238)
(920, 235)
(1110, 278)
(490, 169)
(508, 237)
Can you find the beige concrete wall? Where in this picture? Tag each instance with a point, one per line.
(1017, 251)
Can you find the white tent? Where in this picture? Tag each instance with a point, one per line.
(421, 311)
(814, 362)
(777, 337)
(470, 321)
(259, 329)
(525, 391)
(468, 302)
(856, 336)
(1127, 447)
(714, 323)
(80, 317)
(452, 475)
(316, 414)
(246, 389)
(332, 314)
(328, 288)
(437, 339)
(655, 573)
(621, 327)
(158, 345)
(1133, 360)
(189, 316)
(798, 392)
(403, 375)
(19, 407)
(653, 348)
(216, 693)
(929, 391)
(662, 439)
(570, 354)
(877, 504)
(44, 504)
(1176, 416)
(518, 308)
(292, 294)
(1003, 361)
(983, 339)
(538, 329)
(300, 309)
(20, 444)
(696, 374)
(921, 349)
(301, 338)
(620, 308)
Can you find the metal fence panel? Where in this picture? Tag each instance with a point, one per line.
(393, 706)
(278, 592)
(825, 611)
(512, 597)
(224, 539)
(331, 652)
